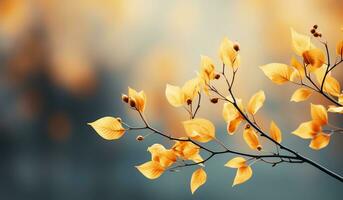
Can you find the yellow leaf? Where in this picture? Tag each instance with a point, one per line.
(186, 150)
(243, 174)
(320, 141)
(201, 130)
(108, 128)
(199, 177)
(151, 169)
(139, 98)
(332, 86)
(228, 54)
(251, 138)
(319, 114)
(162, 155)
(191, 88)
(307, 130)
(236, 163)
(315, 58)
(339, 48)
(232, 116)
(207, 69)
(298, 66)
(275, 132)
(335, 109)
(277, 72)
(175, 95)
(301, 94)
(233, 125)
(300, 42)
(256, 102)
(319, 73)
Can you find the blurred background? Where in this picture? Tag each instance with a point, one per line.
(65, 63)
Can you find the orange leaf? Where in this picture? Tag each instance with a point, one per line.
(251, 138)
(151, 169)
(275, 132)
(243, 174)
(301, 94)
(199, 177)
(307, 130)
(236, 163)
(319, 114)
(320, 141)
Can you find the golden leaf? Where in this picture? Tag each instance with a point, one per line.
(191, 88)
(228, 54)
(251, 138)
(307, 130)
(320, 141)
(201, 130)
(315, 58)
(139, 98)
(236, 162)
(186, 150)
(335, 109)
(339, 48)
(319, 114)
(151, 169)
(301, 94)
(207, 69)
(175, 95)
(165, 157)
(242, 175)
(277, 72)
(298, 66)
(300, 42)
(256, 102)
(275, 132)
(199, 177)
(332, 86)
(232, 117)
(320, 73)
(108, 128)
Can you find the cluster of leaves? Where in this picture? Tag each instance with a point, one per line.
(185, 151)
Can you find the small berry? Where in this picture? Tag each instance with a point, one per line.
(132, 103)
(189, 101)
(247, 126)
(313, 31)
(316, 34)
(140, 138)
(217, 76)
(214, 100)
(315, 26)
(125, 98)
(236, 47)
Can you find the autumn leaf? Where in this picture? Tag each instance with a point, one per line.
(108, 128)
(232, 117)
(151, 169)
(191, 88)
(165, 157)
(201, 130)
(244, 171)
(319, 114)
(301, 94)
(320, 141)
(298, 66)
(199, 178)
(300, 42)
(236, 162)
(315, 58)
(251, 138)
(256, 102)
(307, 130)
(139, 98)
(332, 86)
(228, 54)
(339, 48)
(277, 72)
(175, 95)
(275, 132)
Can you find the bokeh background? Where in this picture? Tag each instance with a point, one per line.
(64, 63)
